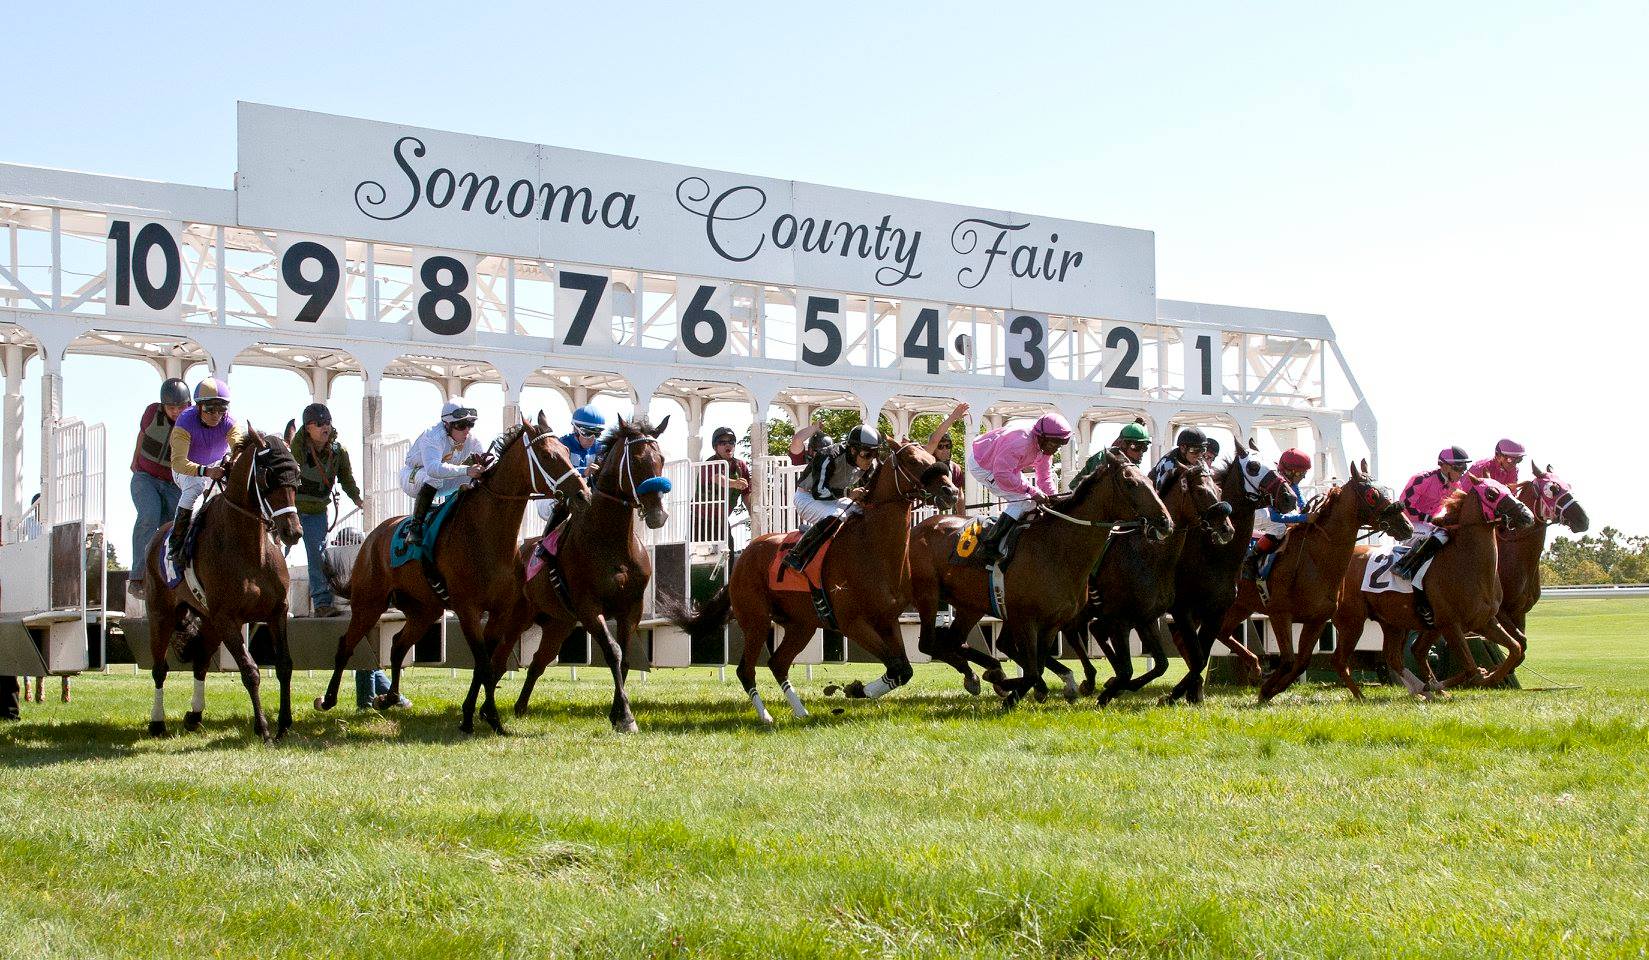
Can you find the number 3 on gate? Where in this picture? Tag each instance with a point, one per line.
(1027, 350)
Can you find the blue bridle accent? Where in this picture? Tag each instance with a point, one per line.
(653, 485)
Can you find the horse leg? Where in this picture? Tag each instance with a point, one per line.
(363, 616)
(883, 641)
(1022, 648)
(1471, 674)
(197, 703)
(283, 670)
(1393, 640)
(1348, 627)
(1066, 675)
(417, 623)
(161, 629)
(960, 628)
(1152, 638)
(1495, 633)
(555, 633)
(779, 661)
(480, 678)
(755, 623)
(619, 714)
(249, 679)
(1122, 660)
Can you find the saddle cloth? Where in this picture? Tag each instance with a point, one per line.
(402, 553)
(1379, 577)
(548, 547)
(782, 579)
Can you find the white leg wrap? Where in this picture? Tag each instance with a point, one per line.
(157, 713)
(198, 704)
(878, 688)
(761, 708)
(1411, 681)
(795, 699)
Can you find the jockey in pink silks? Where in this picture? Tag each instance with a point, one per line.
(1503, 465)
(998, 461)
(1422, 497)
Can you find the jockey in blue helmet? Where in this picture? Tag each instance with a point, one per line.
(584, 449)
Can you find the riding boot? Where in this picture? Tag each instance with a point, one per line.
(420, 510)
(990, 545)
(1416, 557)
(1251, 563)
(180, 530)
(809, 544)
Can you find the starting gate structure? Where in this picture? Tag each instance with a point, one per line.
(352, 247)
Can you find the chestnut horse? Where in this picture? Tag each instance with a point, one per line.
(1463, 585)
(1552, 501)
(1133, 586)
(603, 563)
(1205, 582)
(1305, 579)
(1045, 584)
(866, 575)
(242, 575)
(528, 463)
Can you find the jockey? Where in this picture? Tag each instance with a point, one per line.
(1210, 452)
(1423, 495)
(441, 460)
(1187, 453)
(584, 449)
(1132, 443)
(998, 461)
(1271, 527)
(829, 490)
(201, 438)
(154, 492)
(1502, 466)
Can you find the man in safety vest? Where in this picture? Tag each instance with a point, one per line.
(1422, 496)
(201, 438)
(323, 464)
(998, 461)
(830, 489)
(154, 492)
(442, 459)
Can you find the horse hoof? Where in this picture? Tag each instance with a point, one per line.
(321, 704)
(466, 726)
(1085, 688)
(626, 726)
(855, 690)
(970, 683)
(832, 690)
(520, 708)
(191, 721)
(1041, 696)
(157, 728)
(1166, 700)
(1010, 701)
(1070, 693)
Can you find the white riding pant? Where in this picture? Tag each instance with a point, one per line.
(190, 488)
(413, 480)
(810, 509)
(1424, 529)
(1019, 503)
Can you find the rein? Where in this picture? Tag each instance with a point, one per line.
(266, 515)
(535, 472)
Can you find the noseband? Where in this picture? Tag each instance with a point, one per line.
(653, 484)
(265, 514)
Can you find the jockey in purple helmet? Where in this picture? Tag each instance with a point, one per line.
(998, 460)
(1502, 466)
(201, 438)
(1422, 497)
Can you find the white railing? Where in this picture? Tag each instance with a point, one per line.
(96, 471)
(386, 486)
(68, 500)
(775, 480)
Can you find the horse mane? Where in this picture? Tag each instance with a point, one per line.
(503, 441)
(1079, 493)
(1448, 512)
(1319, 510)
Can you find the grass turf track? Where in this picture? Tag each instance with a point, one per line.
(931, 824)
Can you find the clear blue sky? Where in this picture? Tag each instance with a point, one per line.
(1459, 187)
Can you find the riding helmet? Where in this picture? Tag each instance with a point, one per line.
(1052, 426)
(723, 434)
(174, 393)
(589, 418)
(1293, 459)
(317, 413)
(1509, 448)
(864, 437)
(1135, 432)
(452, 411)
(817, 442)
(212, 390)
(1212, 446)
(1191, 437)
(1454, 457)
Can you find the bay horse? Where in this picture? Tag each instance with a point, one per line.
(1045, 584)
(526, 463)
(242, 577)
(866, 575)
(1551, 500)
(605, 567)
(1133, 586)
(1205, 581)
(1463, 585)
(1310, 565)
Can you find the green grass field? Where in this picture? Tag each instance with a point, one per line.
(1497, 824)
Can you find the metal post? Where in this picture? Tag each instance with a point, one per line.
(51, 410)
(11, 443)
(372, 450)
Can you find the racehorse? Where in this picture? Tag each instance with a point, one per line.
(242, 577)
(1551, 500)
(1305, 579)
(1133, 586)
(1462, 585)
(604, 567)
(527, 463)
(865, 575)
(1205, 582)
(1045, 584)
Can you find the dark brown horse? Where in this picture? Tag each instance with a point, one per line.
(1551, 500)
(605, 567)
(1463, 586)
(866, 575)
(1045, 584)
(474, 554)
(1205, 582)
(242, 575)
(1133, 586)
(1305, 579)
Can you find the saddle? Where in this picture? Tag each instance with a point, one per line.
(401, 552)
(546, 559)
(192, 592)
(966, 551)
(782, 579)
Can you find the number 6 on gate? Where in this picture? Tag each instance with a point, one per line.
(702, 309)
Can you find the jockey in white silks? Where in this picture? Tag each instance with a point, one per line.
(441, 460)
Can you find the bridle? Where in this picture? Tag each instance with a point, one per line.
(265, 515)
(540, 484)
(1113, 471)
(902, 478)
(653, 484)
(1255, 481)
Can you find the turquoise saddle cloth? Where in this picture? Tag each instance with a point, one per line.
(401, 552)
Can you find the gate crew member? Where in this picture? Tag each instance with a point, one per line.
(1271, 526)
(439, 462)
(830, 489)
(323, 463)
(1187, 452)
(998, 460)
(584, 449)
(154, 493)
(1422, 496)
(1502, 466)
(201, 438)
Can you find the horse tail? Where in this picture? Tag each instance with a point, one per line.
(337, 579)
(711, 615)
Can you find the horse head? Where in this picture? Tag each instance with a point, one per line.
(271, 483)
(912, 474)
(1127, 495)
(551, 465)
(1212, 515)
(1262, 485)
(1498, 505)
(1555, 501)
(1377, 506)
(632, 469)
